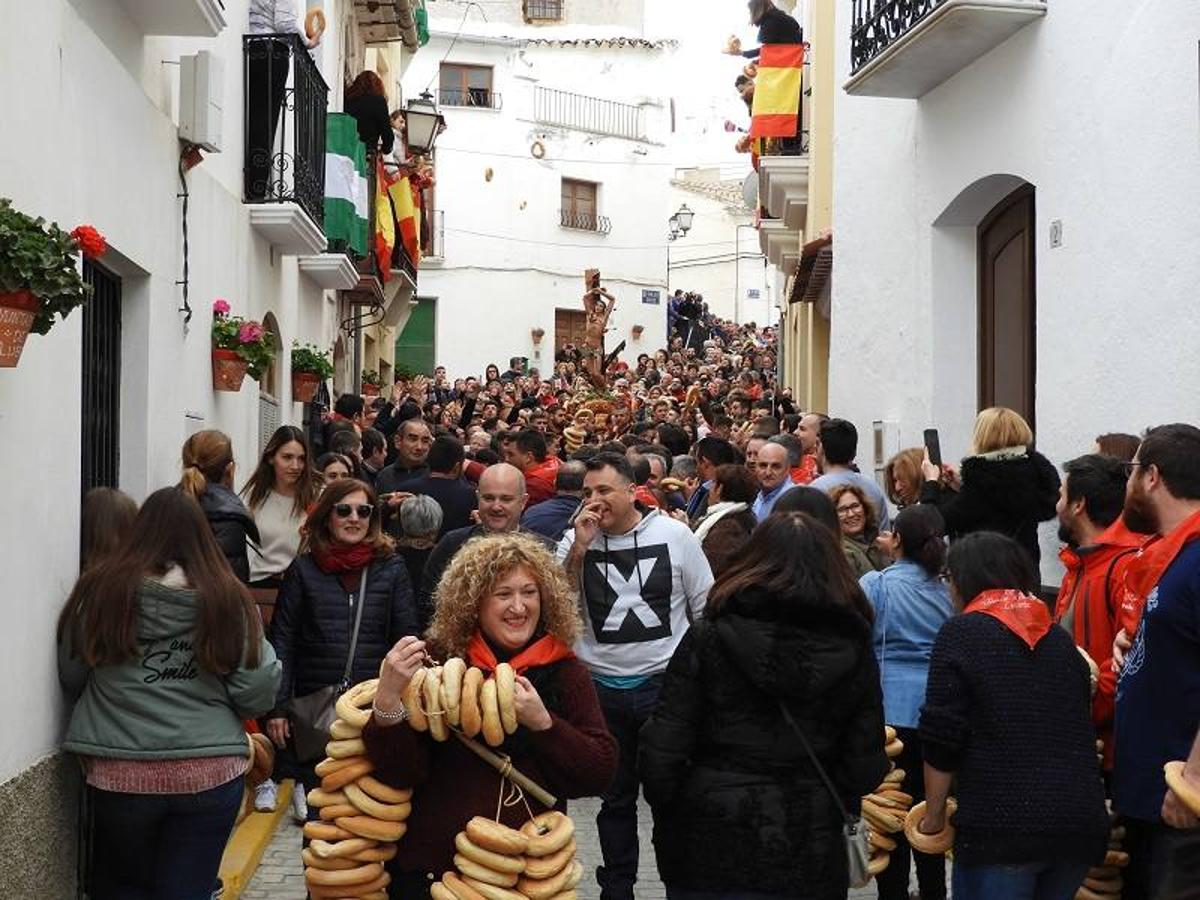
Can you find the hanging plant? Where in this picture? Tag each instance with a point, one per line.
(371, 383)
(310, 366)
(236, 339)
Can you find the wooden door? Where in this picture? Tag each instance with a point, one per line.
(570, 327)
(1007, 305)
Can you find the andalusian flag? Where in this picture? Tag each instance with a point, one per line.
(345, 184)
(408, 218)
(385, 226)
(776, 109)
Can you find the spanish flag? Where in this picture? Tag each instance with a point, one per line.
(408, 217)
(776, 109)
(385, 225)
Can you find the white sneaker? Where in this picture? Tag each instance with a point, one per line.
(299, 804)
(266, 795)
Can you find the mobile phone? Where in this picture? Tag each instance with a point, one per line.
(933, 446)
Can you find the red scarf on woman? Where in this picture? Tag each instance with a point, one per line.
(545, 650)
(338, 558)
(1023, 614)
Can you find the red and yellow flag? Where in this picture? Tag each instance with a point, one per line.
(776, 109)
(408, 217)
(385, 225)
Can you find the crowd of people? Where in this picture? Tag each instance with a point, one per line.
(685, 569)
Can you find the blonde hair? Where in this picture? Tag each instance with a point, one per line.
(998, 427)
(207, 455)
(474, 572)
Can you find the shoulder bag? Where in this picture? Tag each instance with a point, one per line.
(854, 832)
(313, 714)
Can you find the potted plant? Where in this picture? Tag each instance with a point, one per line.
(240, 347)
(310, 366)
(38, 276)
(372, 384)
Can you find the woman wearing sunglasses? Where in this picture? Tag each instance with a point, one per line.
(345, 560)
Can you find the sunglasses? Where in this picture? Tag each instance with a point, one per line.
(343, 510)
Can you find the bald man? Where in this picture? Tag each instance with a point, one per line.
(501, 495)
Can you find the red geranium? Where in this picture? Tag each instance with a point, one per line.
(91, 242)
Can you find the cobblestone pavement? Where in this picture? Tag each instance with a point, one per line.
(279, 875)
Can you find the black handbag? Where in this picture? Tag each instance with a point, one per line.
(313, 714)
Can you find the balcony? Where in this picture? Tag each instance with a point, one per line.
(779, 243)
(177, 18)
(591, 115)
(472, 98)
(783, 180)
(284, 103)
(906, 48)
(584, 221)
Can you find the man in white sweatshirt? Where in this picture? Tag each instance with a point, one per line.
(643, 578)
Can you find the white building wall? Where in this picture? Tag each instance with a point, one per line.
(1098, 113)
(96, 142)
(508, 263)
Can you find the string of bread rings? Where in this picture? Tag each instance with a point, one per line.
(453, 695)
(314, 23)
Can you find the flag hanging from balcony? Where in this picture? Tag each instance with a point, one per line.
(385, 224)
(345, 184)
(408, 218)
(776, 109)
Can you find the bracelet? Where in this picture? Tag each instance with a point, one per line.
(399, 714)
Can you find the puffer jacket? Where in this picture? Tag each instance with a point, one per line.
(160, 704)
(1008, 494)
(738, 806)
(232, 526)
(314, 619)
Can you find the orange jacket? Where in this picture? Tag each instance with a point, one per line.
(1091, 592)
(540, 480)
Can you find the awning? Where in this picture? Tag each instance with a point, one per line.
(813, 271)
(387, 20)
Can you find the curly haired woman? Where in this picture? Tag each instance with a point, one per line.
(502, 599)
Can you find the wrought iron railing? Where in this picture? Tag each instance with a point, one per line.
(584, 221)
(877, 24)
(791, 146)
(285, 100)
(591, 114)
(482, 98)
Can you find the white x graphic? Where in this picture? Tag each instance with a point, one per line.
(629, 596)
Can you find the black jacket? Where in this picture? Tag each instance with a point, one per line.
(1010, 496)
(314, 618)
(232, 526)
(550, 517)
(370, 111)
(454, 495)
(738, 806)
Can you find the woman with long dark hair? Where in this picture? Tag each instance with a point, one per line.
(740, 809)
(163, 648)
(105, 521)
(366, 101)
(208, 478)
(282, 487)
(911, 603)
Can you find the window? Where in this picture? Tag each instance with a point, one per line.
(543, 10)
(579, 206)
(101, 380)
(467, 86)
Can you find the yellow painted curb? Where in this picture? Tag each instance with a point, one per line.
(248, 843)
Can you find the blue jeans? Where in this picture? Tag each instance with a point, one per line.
(625, 711)
(161, 846)
(1029, 881)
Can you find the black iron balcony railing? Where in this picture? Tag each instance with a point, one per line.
(877, 24)
(791, 146)
(591, 114)
(285, 100)
(482, 98)
(584, 221)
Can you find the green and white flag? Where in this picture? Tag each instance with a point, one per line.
(345, 184)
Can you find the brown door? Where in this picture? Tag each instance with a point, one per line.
(1007, 305)
(569, 327)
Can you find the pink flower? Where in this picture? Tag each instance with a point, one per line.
(250, 333)
(220, 307)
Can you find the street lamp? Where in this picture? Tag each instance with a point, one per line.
(422, 123)
(675, 228)
(679, 224)
(685, 216)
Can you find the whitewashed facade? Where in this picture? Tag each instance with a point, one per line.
(1095, 112)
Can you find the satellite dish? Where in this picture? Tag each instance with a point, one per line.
(750, 191)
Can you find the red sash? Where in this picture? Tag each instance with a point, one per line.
(545, 650)
(1023, 614)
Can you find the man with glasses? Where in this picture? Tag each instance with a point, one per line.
(501, 495)
(1158, 692)
(774, 477)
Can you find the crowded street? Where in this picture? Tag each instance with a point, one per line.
(448, 459)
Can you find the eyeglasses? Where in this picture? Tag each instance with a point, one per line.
(343, 510)
(849, 510)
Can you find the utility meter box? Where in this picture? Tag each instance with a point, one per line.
(201, 87)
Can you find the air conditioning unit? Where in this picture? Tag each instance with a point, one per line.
(201, 89)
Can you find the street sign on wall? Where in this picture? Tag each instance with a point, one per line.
(651, 297)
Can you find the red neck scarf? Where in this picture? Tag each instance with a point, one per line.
(545, 650)
(1155, 557)
(338, 558)
(1023, 614)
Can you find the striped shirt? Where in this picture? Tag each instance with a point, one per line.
(274, 17)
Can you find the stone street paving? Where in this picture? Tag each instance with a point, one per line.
(279, 875)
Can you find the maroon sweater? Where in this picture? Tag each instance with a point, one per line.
(575, 757)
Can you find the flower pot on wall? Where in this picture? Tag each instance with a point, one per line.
(229, 370)
(17, 311)
(304, 386)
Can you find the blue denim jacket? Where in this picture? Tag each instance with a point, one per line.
(910, 607)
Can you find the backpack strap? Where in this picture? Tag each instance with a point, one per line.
(1108, 602)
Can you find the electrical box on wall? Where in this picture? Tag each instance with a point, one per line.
(201, 88)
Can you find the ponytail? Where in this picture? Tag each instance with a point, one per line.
(193, 483)
(206, 457)
(920, 529)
